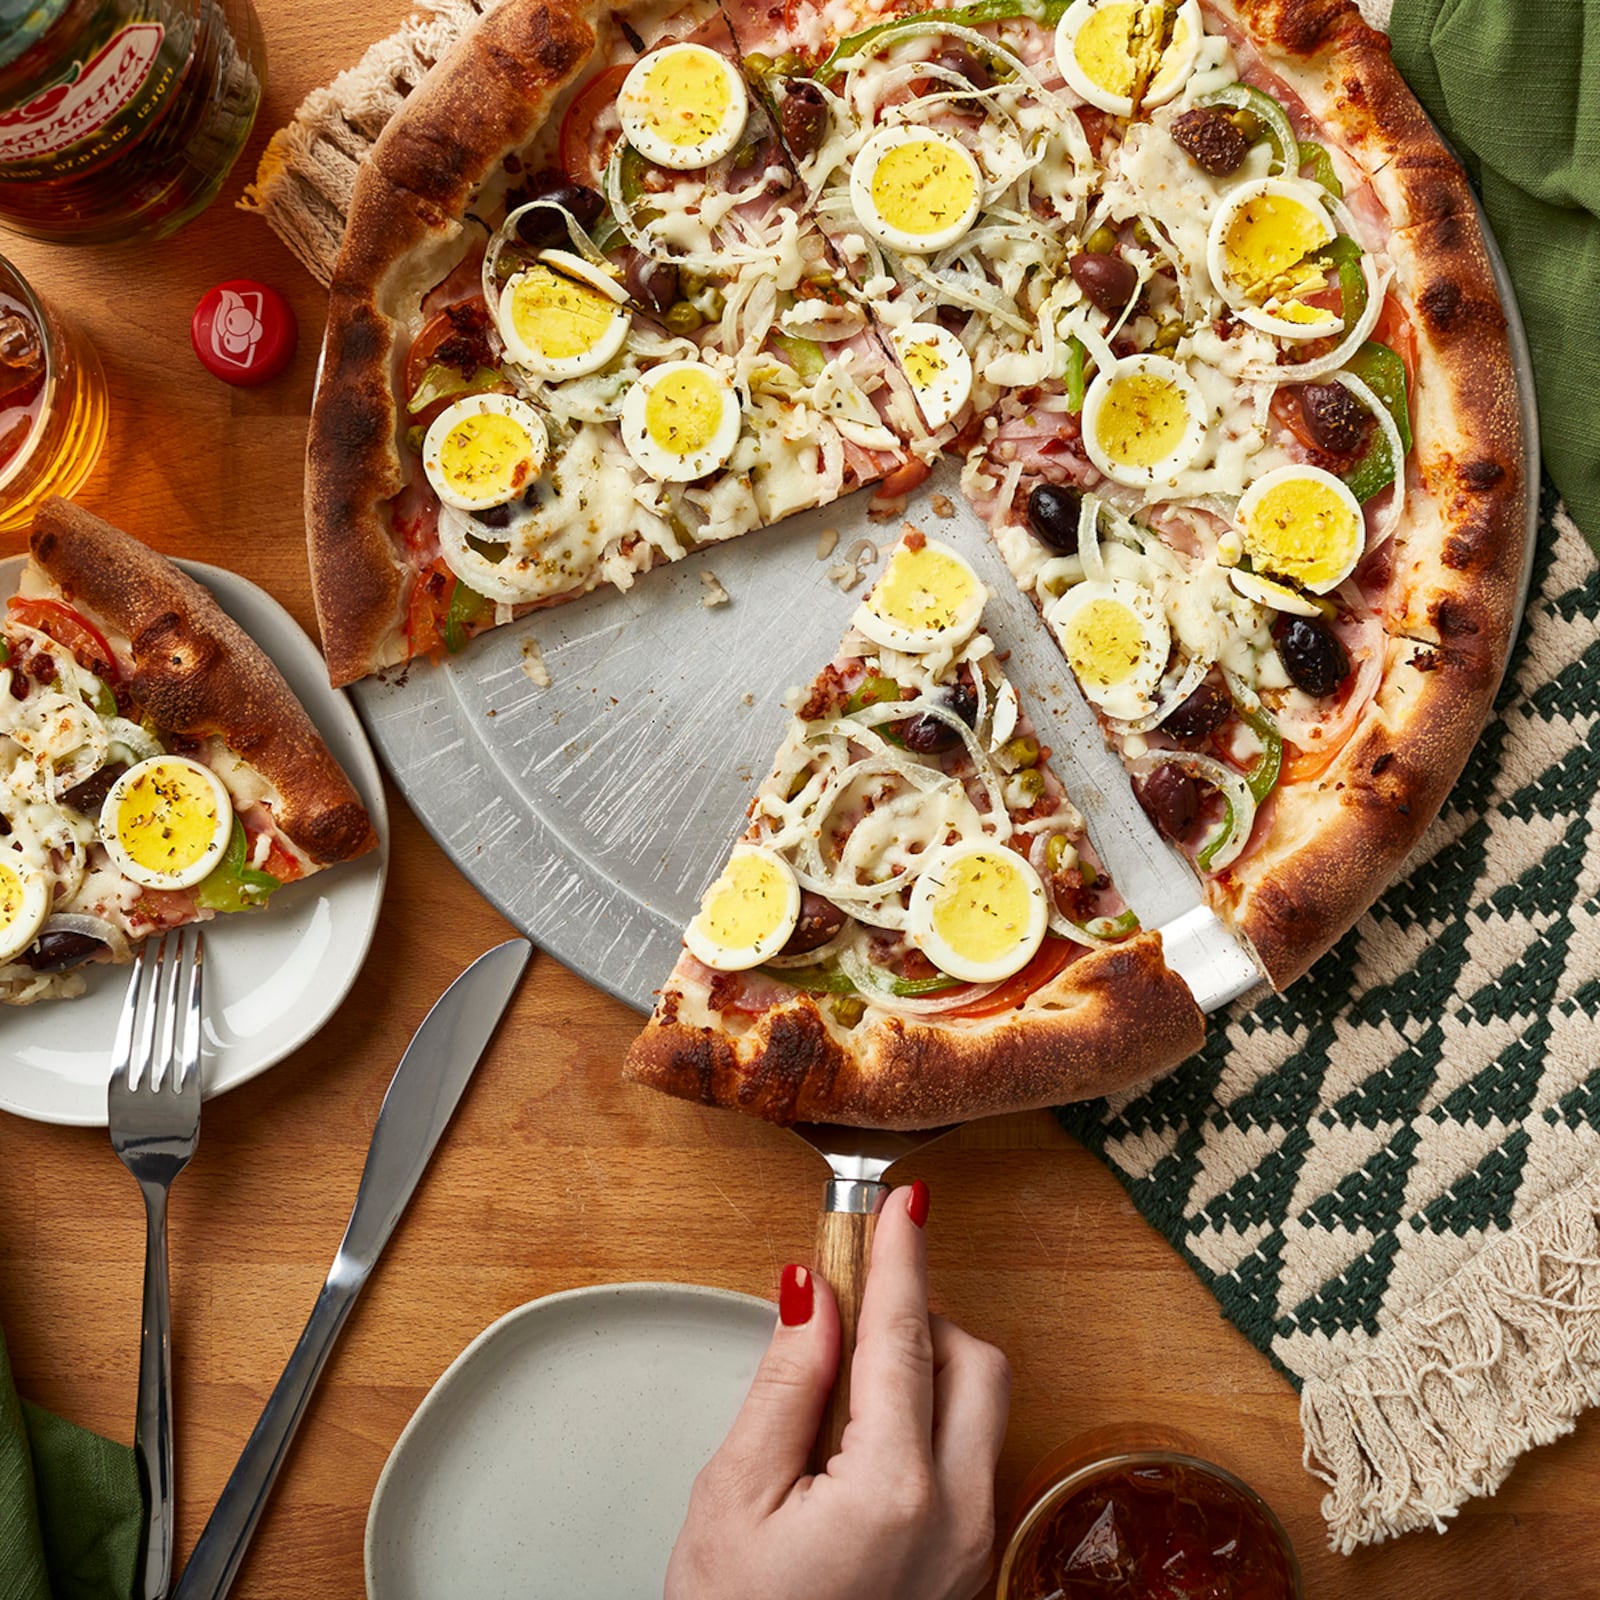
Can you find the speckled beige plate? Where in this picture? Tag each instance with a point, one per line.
(553, 1459)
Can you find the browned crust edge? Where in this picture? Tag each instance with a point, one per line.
(490, 94)
(1122, 1018)
(198, 674)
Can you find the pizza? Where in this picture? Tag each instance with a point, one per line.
(155, 769)
(1193, 292)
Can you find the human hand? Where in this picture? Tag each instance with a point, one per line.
(905, 1510)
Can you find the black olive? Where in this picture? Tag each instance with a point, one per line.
(1210, 139)
(927, 735)
(1108, 282)
(545, 228)
(90, 795)
(965, 64)
(1334, 417)
(55, 952)
(804, 116)
(1053, 515)
(493, 516)
(818, 922)
(1172, 798)
(654, 284)
(1311, 652)
(1203, 712)
(962, 698)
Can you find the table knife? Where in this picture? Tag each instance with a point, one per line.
(420, 1100)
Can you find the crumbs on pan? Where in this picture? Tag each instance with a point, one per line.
(747, 699)
(826, 540)
(857, 559)
(533, 667)
(715, 594)
(943, 505)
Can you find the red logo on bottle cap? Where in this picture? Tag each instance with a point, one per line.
(243, 332)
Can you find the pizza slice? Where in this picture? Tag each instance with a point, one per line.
(618, 338)
(914, 926)
(155, 769)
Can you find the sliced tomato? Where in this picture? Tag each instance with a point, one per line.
(1049, 961)
(587, 126)
(903, 479)
(71, 629)
(434, 332)
(430, 602)
(1394, 328)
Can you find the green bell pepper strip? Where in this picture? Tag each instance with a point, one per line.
(1344, 256)
(814, 980)
(1262, 777)
(806, 356)
(1384, 373)
(232, 885)
(105, 701)
(1316, 157)
(467, 607)
(1077, 359)
(1241, 97)
(909, 988)
(5, 653)
(1045, 12)
(1208, 851)
(1117, 927)
(440, 382)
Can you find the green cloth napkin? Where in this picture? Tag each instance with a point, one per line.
(71, 1511)
(1515, 86)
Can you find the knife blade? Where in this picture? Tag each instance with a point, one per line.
(418, 1106)
(1158, 882)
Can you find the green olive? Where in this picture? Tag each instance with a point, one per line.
(758, 65)
(682, 318)
(711, 304)
(1023, 751)
(1055, 852)
(1027, 786)
(690, 283)
(848, 1009)
(1167, 337)
(1102, 242)
(1249, 124)
(1141, 236)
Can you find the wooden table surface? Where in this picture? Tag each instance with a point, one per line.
(553, 1174)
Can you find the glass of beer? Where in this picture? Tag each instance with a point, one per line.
(52, 403)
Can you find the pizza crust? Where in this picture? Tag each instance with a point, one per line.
(1112, 1018)
(199, 675)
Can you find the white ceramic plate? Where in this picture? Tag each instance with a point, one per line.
(272, 980)
(553, 1459)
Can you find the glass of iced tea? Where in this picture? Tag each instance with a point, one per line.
(52, 403)
(1136, 1513)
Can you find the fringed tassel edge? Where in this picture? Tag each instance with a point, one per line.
(1500, 1359)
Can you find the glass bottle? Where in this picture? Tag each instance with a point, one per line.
(120, 119)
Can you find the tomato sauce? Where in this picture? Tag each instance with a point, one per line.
(1163, 1529)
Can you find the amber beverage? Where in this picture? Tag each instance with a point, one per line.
(120, 119)
(52, 403)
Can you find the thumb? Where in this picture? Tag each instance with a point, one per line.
(766, 1449)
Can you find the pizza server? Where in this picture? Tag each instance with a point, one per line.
(1155, 880)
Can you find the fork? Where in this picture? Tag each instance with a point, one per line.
(153, 1108)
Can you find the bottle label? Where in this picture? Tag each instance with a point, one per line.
(82, 103)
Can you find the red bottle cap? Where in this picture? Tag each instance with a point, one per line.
(243, 332)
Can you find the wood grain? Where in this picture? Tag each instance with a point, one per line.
(553, 1174)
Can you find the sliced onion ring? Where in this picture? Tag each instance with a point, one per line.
(1224, 850)
(872, 988)
(1305, 371)
(91, 927)
(1389, 519)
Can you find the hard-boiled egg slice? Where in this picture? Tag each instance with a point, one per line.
(1302, 524)
(1269, 592)
(1144, 421)
(1101, 46)
(683, 107)
(562, 317)
(937, 367)
(748, 914)
(915, 189)
(1116, 638)
(484, 450)
(24, 904)
(1258, 254)
(680, 420)
(927, 597)
(166, 822)
(977, 911)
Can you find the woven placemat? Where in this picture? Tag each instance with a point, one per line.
(1388, 1176)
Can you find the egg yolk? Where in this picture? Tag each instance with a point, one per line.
(924, 590)
(747, 904)
(1104, 643)
(167, 818)
(1114, 36)
(922, 186)
(487, 453)
(923, 363)
(559, 316)
(686, 97)
(1142, 419)
(684, 410)
(1302, 530)
(981, 909)
(11, 896)
(1265, 248)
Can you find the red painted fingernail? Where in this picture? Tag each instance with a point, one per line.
(794, 1297)
(917, 1205)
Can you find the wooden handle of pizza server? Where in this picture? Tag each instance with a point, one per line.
(844, 1247)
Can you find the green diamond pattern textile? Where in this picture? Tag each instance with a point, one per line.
(1390, 1176)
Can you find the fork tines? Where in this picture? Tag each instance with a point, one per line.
(159, 1029)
